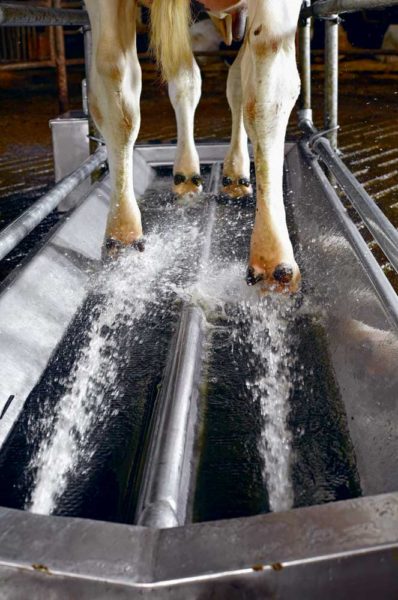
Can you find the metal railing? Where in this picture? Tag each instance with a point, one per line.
(324, 144)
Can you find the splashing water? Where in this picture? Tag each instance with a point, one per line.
(263, 324)
(272, 360)
(126, 288)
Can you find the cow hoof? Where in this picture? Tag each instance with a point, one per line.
(284, 279)
(236, 188)
(184, 184)
(283, 273)
(113, 248)
(252, 278)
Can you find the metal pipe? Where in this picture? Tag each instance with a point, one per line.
(15, 15)
(380, 227)
(327, 8)
(382, 286)
(305, 64)
(331, 78)
(383, 231)
(33, 216)
(159, 503)
(163, 495)
(40, 64)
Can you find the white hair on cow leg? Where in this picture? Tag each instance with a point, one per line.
(185, 92)
(236, 170)
(270, 84)
(115, 89)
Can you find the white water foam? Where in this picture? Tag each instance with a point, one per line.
(273, 359)
(126, 287)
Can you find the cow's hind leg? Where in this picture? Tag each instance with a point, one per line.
(184, 92)
(115, 88)
(236, 171)
(270, 85)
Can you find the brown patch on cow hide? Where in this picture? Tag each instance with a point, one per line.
(275, 47)
(127, 116)
(251, 109)
(265, 48)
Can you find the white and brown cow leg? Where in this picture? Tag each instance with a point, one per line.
(270, 84)
(184, 92)
(236, 171)
(115, 88)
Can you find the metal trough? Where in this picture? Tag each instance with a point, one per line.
(166, 365)
(339, 549)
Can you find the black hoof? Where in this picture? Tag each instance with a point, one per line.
(251, 277)
(283, 273)
(113, 247)
(244, 181)
(197, 180)
(179, 178)
(139, 245)
(226, 181)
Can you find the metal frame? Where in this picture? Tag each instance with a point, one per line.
(274, 552)
(355, 541)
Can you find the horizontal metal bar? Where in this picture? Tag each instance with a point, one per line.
(382, 286)
(326, 8)
(15, 15)
(38, 64)
(123, 561)
(31, 218)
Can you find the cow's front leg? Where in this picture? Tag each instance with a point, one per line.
(115, 88)
(184, 92)
(270, 84)
(236, 171)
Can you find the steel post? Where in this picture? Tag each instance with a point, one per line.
(305, 64)
(331, 78)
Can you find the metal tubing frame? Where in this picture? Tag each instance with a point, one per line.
(304, 32)
(35, 214)
(379, 281)
(15, 15)
(377, 223)
(331, 78)
(327, 8)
